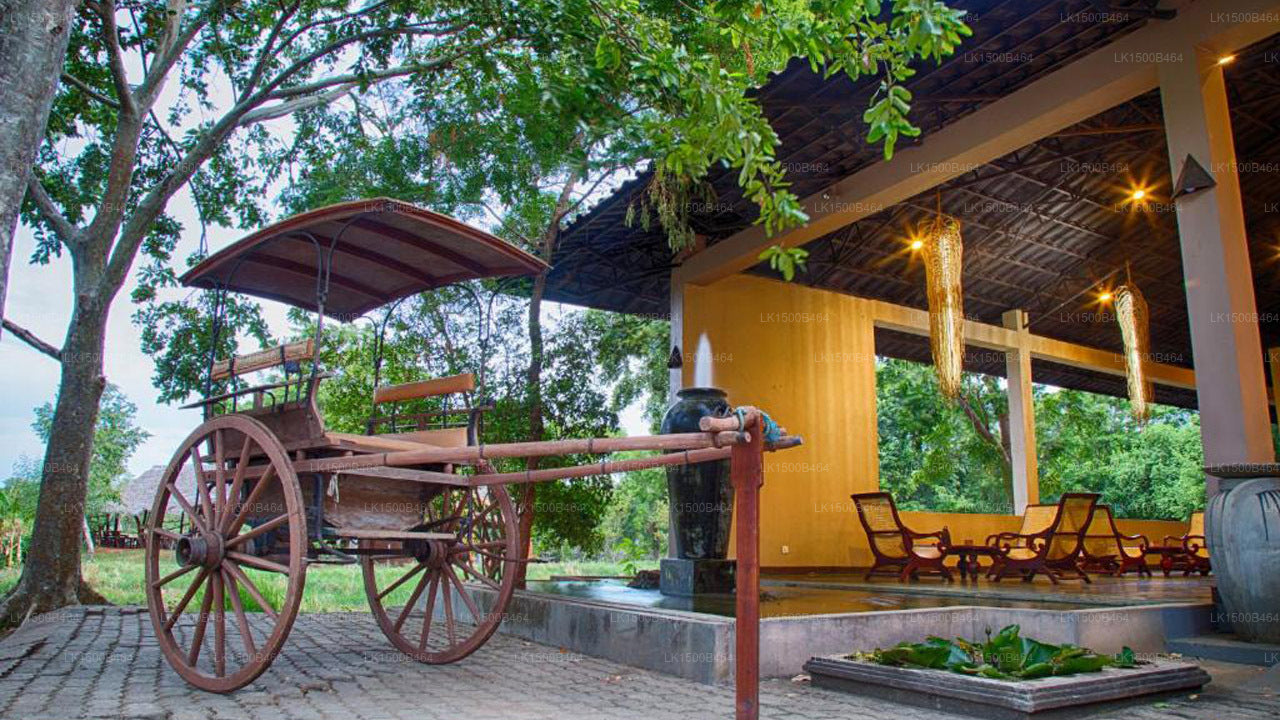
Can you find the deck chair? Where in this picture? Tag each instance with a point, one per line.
(1052, 551)
(1107, 550)
(1195, 549)
(897, 549)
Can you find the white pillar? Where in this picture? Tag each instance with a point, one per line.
(1235, 424)
(1022, 415)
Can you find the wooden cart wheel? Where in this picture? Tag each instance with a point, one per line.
(245, 525)
(484, 553)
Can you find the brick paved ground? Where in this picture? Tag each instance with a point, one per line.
(103, 663)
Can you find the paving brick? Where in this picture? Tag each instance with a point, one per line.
(103, 663)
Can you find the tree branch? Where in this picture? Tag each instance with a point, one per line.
(84, 88)
(153, 203)
(111, 35)
(62, 227)
(173, 43)
(268, 49)
(980, 426)
(29, 338)
(348, 78)
(262, 114)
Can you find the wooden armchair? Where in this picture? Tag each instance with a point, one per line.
(1195, 549)
(897, 549)
(1107, 550)
(1035, 519)
(1051, 551)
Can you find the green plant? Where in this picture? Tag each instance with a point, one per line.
(1005, 656)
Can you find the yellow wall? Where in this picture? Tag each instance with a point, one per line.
(807, 357)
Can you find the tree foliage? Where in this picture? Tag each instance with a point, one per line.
(116, 437)
(932, 457)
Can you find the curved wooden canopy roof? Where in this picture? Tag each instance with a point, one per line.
(383, 250)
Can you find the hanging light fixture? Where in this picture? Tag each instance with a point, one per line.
(943, 250)
(1131, 314)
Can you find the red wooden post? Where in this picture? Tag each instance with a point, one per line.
(747, 471)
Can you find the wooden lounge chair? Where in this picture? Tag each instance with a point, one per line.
(1052, 551)
(1195, 549)
(897, 549)
(1107, 550)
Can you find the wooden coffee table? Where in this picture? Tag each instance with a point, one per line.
(1172, 557)
(968, 554)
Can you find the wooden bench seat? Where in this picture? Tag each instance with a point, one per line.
(373, 443)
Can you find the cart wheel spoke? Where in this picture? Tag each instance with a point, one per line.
(219, 628)
(237, 485)
(187, 507)
(173, 576)
(429, 614)
(462, 593)
(258, 563)
(186, 598)
(202, 487)
(167, 534)
(259, 488)
(470, 570)
(219, 479)
(202, 621)
(266, 527)
(449, 626)
(242, 621)
(413, 600)
(417, 568)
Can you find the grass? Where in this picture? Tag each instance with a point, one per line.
(119, 576)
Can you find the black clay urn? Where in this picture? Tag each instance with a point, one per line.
(700, 496)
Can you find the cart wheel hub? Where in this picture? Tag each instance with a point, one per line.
(203, 549)
(434, 553)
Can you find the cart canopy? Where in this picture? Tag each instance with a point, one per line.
(383, 250)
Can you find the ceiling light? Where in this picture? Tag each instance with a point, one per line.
(917, 244)
(1226, 59)
(1105, 297)
(1139, 194)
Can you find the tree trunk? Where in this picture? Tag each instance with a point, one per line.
(51, 576)
(537, 426)
(33, 38)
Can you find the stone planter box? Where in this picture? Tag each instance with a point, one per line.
(1042, 699)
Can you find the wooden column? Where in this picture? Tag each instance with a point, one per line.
(1022, 414)
(747, 471)
(1235, 424)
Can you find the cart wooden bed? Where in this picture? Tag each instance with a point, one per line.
(276, 491)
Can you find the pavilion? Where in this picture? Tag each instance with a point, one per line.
(1037, 134)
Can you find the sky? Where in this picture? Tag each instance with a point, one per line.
(40, 301)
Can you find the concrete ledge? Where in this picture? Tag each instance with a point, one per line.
(699, 646)
(1043, 699)
(1227, 648)
(786, 643)
(694, 646)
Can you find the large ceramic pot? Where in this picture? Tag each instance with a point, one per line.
(1242, 526)
(700, 496)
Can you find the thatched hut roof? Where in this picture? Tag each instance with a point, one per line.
(138, 494)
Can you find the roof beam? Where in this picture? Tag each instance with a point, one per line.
(1101, 80)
